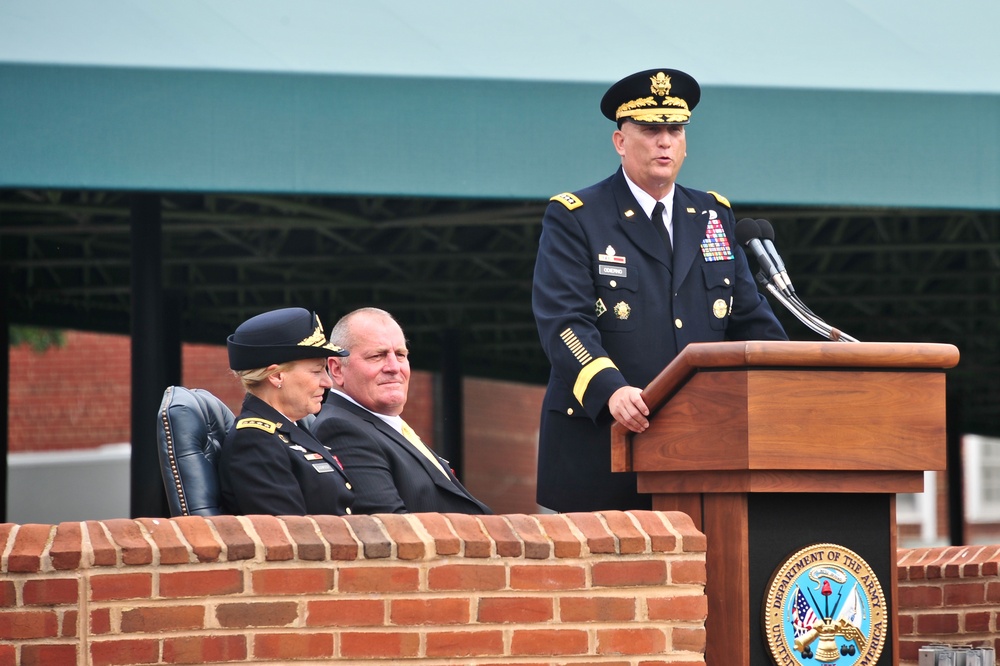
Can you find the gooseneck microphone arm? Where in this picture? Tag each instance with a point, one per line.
(757, 236)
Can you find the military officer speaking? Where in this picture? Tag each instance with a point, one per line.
(629, 271)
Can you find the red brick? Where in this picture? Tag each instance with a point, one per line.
(113, 652)
(536, 545)
(238, 544)
(343, 545)
(28, 624)
(408, 545)
(476, 542)
(105, 553)
(467, 577)
(429, 611)
(599, 539)
(152, 619)
(515, 609)
(564, 542)
(8, 594)
(277, 547)
(446, 542)
(661, 539)
(634, 572)
(393, 645)
(199, 536)
(547, 577)
(47, 655)
(7, 651)
(549, 642)
(293, 646)
(201, 583)
(993, 593)
(104, 587)
(51, 591)
(920, 596)
(688, 639)
(345, 613)
(374, 542)
(507, 542)
(308, 545)
(597, 609)
(30, 542)
(68, 625)
(976, 622)
(127, 535)
(937, 623)
(681, 608)
(168, 545)
(472, 643)
(630, 540)
(100, 621)
(67, 546)
(630, 641)
(378, 579)
(292, 581)
(262, 614)
(964, 594)
(204, 649)
(688, 572)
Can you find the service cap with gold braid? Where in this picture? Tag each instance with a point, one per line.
(279, 336)
(653, 97)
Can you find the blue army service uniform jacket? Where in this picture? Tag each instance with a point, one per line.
(271, 466)
(613, 307)
(390, 475)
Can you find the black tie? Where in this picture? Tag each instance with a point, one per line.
(661, 228)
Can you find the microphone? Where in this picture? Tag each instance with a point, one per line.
(758, 236)
(748, 234)
(767, 240)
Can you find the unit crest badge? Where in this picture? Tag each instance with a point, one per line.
(825, 605)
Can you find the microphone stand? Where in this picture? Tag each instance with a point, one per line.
(803, 313)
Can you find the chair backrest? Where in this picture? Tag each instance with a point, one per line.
(192, 426)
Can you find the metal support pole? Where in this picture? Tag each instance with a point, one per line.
(449, 405)
(149, 365)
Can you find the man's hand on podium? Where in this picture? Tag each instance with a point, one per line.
(629, 409)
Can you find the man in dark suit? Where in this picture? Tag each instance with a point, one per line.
(629, 271)
(392, 470)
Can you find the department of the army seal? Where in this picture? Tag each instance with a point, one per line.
(825, 604)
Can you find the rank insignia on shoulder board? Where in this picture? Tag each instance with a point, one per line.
(715, 245)
(259, 424)
(567, 199)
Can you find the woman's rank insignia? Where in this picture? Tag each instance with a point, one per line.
(715, 245)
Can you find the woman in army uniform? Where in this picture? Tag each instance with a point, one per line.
(269, 465)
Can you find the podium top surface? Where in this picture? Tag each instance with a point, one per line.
(792, 354)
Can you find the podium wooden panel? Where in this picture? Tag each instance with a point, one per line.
(733, 420)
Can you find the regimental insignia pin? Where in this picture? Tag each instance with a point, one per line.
(283, 437)
(622, 310)
(629, 213)
(599, 307)
(824, 604)
(610, 256)
(719, 308)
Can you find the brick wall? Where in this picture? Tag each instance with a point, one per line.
(948, 595)
(609, 588)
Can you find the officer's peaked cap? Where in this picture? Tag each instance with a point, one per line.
(279, 336)
(652, 97)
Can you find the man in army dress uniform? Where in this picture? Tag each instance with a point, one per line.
(629, 271)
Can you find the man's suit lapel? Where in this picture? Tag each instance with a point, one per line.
(401, 441)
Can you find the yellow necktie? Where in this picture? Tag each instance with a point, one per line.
(414, 439)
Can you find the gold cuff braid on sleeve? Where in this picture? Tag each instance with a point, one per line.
(588, 373)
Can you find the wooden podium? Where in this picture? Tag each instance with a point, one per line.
(774, 446)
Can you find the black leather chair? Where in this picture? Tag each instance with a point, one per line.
(192, 426)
